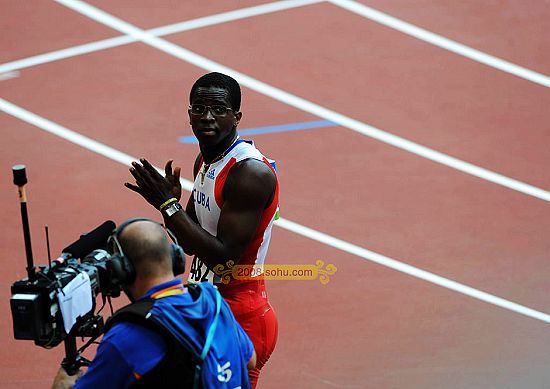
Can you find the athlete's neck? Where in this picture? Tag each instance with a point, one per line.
(211, 154)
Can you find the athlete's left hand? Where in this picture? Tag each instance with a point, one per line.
(153, 187)
(173, 178)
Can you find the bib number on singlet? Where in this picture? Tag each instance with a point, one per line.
(199, 272)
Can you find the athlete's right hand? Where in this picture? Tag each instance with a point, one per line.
(173, 178)
(151, 185)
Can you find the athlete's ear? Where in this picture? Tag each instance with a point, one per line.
(238, 117)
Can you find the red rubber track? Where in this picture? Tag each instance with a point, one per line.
(371, 326)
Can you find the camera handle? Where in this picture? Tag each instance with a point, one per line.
(73, 361)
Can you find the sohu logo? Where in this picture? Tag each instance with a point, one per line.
(211, 174)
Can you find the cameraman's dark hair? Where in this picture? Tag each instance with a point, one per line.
(220, 80)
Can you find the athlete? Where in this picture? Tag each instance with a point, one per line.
(230, 213)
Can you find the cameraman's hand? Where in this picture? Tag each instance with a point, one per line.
(65, 381)
(153, 187)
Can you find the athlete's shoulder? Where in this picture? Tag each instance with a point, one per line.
(246, 149)
(250, 183)
(254, 171)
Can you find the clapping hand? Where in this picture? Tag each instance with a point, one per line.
(152, 186)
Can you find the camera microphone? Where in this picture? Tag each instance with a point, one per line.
(20, 179)
(88, 242)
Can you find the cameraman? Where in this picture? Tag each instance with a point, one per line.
(134, 353)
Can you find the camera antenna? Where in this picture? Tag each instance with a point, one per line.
(48, 246)
(20, 179)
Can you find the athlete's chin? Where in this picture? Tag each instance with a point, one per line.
(208, 138)
(207, 133)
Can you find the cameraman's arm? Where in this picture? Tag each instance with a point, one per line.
(65, 381)
(126, 352)
(109, 369)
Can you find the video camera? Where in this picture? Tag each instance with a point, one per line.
(57, 302)
(46, 308)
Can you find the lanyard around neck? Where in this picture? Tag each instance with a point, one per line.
(170, 291)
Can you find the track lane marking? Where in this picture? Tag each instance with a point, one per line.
(300, 103)
(169, 29)
(311, 125)
(326, 239)
(8, 75)
(442, 42)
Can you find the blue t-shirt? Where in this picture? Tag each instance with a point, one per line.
(128, 350)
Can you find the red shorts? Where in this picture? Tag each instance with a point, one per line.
(249, 304)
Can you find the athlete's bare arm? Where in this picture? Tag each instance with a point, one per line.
(249, 189)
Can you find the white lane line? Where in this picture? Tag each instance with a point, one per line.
(8, 75)
(65, 53)
(74, 137)
(410, 270)
(297, 102)
(232, 16)
(442, 42)
(159, 31)
(125, 159)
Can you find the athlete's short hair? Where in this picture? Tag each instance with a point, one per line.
(220, 80)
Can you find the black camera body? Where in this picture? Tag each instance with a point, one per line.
(56, 303)
(35, 305)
